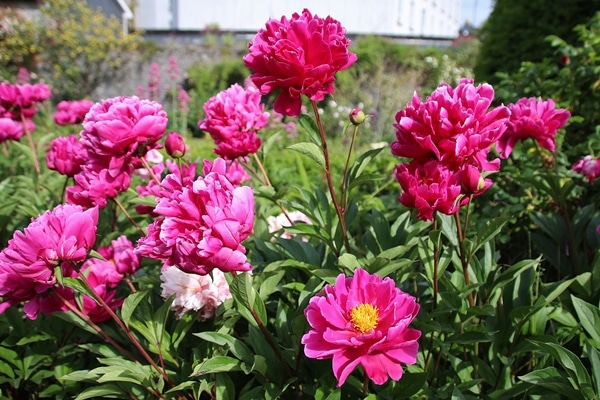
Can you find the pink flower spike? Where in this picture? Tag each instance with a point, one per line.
(362, 320)
(299, 56)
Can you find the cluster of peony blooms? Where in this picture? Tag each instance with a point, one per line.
(18, 107)
(116, 134)
(448, 137)
(588, 166)
(72, 112)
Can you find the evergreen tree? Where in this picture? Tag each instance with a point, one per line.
(516, 30)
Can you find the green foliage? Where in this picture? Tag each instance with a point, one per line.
(515, 32)
(19, 42)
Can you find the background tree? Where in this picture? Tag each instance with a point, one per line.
(516, 30)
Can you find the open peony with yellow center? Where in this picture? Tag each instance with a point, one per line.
(363, 320)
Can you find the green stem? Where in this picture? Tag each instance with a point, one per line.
(124, 210)
(336, 204)
(344, 180)
(36, 163)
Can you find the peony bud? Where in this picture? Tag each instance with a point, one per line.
(175, 145)
(471, 180)
(357, 117)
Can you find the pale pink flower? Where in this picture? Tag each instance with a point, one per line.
(300, 56)
(363, 320)
(201, 224)
(588, 166)
(233, 118)
(281, 221)
(532, 118)
(63, 235)
(192, 292)
(66, 155)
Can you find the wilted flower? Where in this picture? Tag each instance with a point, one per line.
(363, 320)
(193, 292)
(201, 224)
(532, 118)
(300, 56)
(232, 119)
(589, 167)
(66, 155)
(65, 234)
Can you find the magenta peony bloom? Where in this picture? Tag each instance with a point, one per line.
(363, 320)
(66, 155)
(232, 119)
(175, 145)
(430, 187)
(65, 234)
(120, 253)
(123, 127)
(589, 167)
(236, 174)
(453, 126)
(201, 224)
(72, 112)
(11, 129)
(19, 100)
(532, 118)
(300, 55)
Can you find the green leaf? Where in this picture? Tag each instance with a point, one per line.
(589, 317)
(217, 364)
(551, 378)
(490, 229)
(107, 389)
(236, 346)
(130, 304)
(242, 291)
(311, 150)
(309, 125)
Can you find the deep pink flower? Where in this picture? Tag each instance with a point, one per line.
(429, 187)
(236, 174)
(101, 178)
(202, 224)
(589, 167)
(232, 119)
(300, 55)
(363, 320)
(72, 112)
(10, 129)
(532, 118)
(123, 126)
(120, 254)
(64, 234)
(175, 145)
(453, 125)
(66, 155)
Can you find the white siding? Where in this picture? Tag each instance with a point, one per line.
(418, 18)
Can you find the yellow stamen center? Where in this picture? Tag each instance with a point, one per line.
(364, 317)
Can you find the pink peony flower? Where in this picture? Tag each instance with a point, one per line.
(363, 320)
(72, 112)
(430, 187)
(232, 119)
(11, 129)
(175, 145)
(120, 253)
(453, 126)
(66, 155)
(19, 101)
(300, 55)
(201, 224)
(194, 292)
(123, 127)
(236, 174)
(532, 118)
(589, 167)
(64, 234)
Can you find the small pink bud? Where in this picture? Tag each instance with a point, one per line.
(471, 180)
(175, 145)
(357, 117)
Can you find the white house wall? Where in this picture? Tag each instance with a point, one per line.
(412, 18)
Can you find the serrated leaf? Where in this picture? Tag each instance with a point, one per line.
(311, 150)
